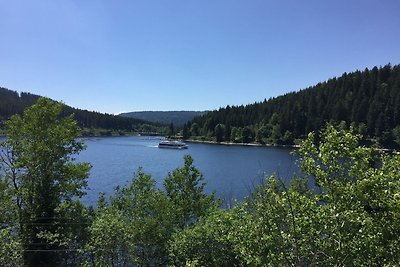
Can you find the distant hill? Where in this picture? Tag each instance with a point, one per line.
(369, 100)
(178, 118)
(12, 102)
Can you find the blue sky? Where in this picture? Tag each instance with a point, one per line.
(113, 56)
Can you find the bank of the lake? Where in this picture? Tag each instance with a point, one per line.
(239, 144)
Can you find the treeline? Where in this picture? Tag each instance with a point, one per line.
(11, 102)
(368, 100)
(348, 214)
(177, 118)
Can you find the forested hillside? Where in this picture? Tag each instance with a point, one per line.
(178, 118)
(368, 100)
(11, 102)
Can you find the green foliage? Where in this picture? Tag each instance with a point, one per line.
(350, 216)
(236, 135)
(396, 134)
(12, 103)
(10, 249)
(37, 158)
(10, 244)
(7, 211)
(360, 191)
(220, 132)
(263, 132)
(185, 132)
(247, 135)
(204, 244)
(269, 229)
(139, 220)
(72, 233)
(110, 241)
(133, 228)
(178, 118)
(185, 189)
(171, 129)
(194, 129)
(370, 99)
(287, 138)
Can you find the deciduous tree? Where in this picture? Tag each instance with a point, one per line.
(38, 161)
(185, 189)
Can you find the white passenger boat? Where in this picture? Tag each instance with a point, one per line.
(172, 144)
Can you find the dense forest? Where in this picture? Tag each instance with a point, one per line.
(348, 214)
(368, 100)
(11, 102)
(177, 118)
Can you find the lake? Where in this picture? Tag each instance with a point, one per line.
(230, 171)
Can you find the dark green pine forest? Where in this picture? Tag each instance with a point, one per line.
(92, 123)
(368, 100)
(177, 118)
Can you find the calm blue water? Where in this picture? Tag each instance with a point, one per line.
(230, 171)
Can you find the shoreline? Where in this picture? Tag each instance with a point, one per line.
(386, 150)
(240, 144)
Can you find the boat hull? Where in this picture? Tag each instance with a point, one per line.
(172, 145)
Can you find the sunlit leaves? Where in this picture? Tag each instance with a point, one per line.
(350, 216)
(185, 189)
(38, 162)
(141, 216)
(10, 249)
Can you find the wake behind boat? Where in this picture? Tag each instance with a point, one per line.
(173, 144)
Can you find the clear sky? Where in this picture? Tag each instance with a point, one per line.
(128, 55)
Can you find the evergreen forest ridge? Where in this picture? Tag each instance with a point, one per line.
(92, 123)
(367, 100)
(177, 118)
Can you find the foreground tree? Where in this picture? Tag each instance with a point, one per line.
(10, 245)
(133, 228)
(359, 203)
(205, 243)
(43, 180)
(344, 211)
(184, 188)
(10, 249)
